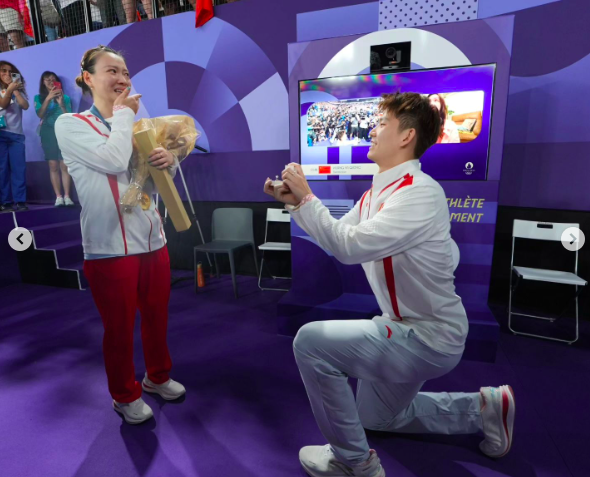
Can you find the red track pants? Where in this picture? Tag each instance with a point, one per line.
(119, 287)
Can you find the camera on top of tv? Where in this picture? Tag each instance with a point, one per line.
(391, 57)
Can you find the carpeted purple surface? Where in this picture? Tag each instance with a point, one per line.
(246, 413)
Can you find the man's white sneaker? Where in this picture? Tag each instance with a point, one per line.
(320, 461)
(59, 202)
(170, 390)
(498, 420)
(68, 202)
(134, 412)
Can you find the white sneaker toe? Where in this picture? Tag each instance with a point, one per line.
(170, 390)
(134, 412)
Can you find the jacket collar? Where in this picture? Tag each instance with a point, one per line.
(382, 180)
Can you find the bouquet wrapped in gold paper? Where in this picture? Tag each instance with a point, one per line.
(176, 134)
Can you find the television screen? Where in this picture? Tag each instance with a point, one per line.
(338, 114)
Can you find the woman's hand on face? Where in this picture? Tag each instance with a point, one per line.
(160, 158)
(130, 101)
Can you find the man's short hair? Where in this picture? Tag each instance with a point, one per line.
(414, 111)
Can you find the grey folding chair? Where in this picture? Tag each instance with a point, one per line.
(274, 215)
(232, 229)
(526, 229)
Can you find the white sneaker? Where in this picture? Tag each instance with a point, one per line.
(134, 412)
(170, 390)
(59, 202)
(320, 461)
(498, 420)
(68, 202)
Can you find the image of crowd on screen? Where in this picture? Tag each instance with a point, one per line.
(341, 123)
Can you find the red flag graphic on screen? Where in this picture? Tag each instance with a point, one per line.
(204, 12)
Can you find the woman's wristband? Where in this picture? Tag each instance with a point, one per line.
(305, 200)
(119, 107)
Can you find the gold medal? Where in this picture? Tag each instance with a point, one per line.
(145, 201)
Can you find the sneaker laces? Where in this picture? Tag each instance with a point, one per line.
(135, 405)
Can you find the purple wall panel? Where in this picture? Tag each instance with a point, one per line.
(545, 156)
(340, 21)
(230, 176)
(490, 8)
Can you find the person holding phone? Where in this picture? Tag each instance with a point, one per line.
(126, 259)
(50, 104)
(13, 165)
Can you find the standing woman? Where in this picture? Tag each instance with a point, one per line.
(50, 104)
(126, 259)
(13, 165)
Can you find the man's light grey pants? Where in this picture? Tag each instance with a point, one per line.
(392, 364)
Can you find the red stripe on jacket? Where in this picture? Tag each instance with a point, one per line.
(150, 237)
(362, 201)
(79, 116)
(408, 181)
(390, 279)
(115, 191)
(390, 185)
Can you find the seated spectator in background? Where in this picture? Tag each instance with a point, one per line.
(449, 132)
(15, 20)
(50, 104)
(13, 166)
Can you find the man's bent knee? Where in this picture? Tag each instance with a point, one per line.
(306, 338)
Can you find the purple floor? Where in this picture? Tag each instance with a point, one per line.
(246, 413)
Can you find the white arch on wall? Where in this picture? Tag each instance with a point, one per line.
(429, 50)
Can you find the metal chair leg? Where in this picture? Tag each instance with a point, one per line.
(577, 316)
(532, 335)
(260, 278)
(510, 304)
(255, 259)
(233, 272)
(260, 271)
(195, 270)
